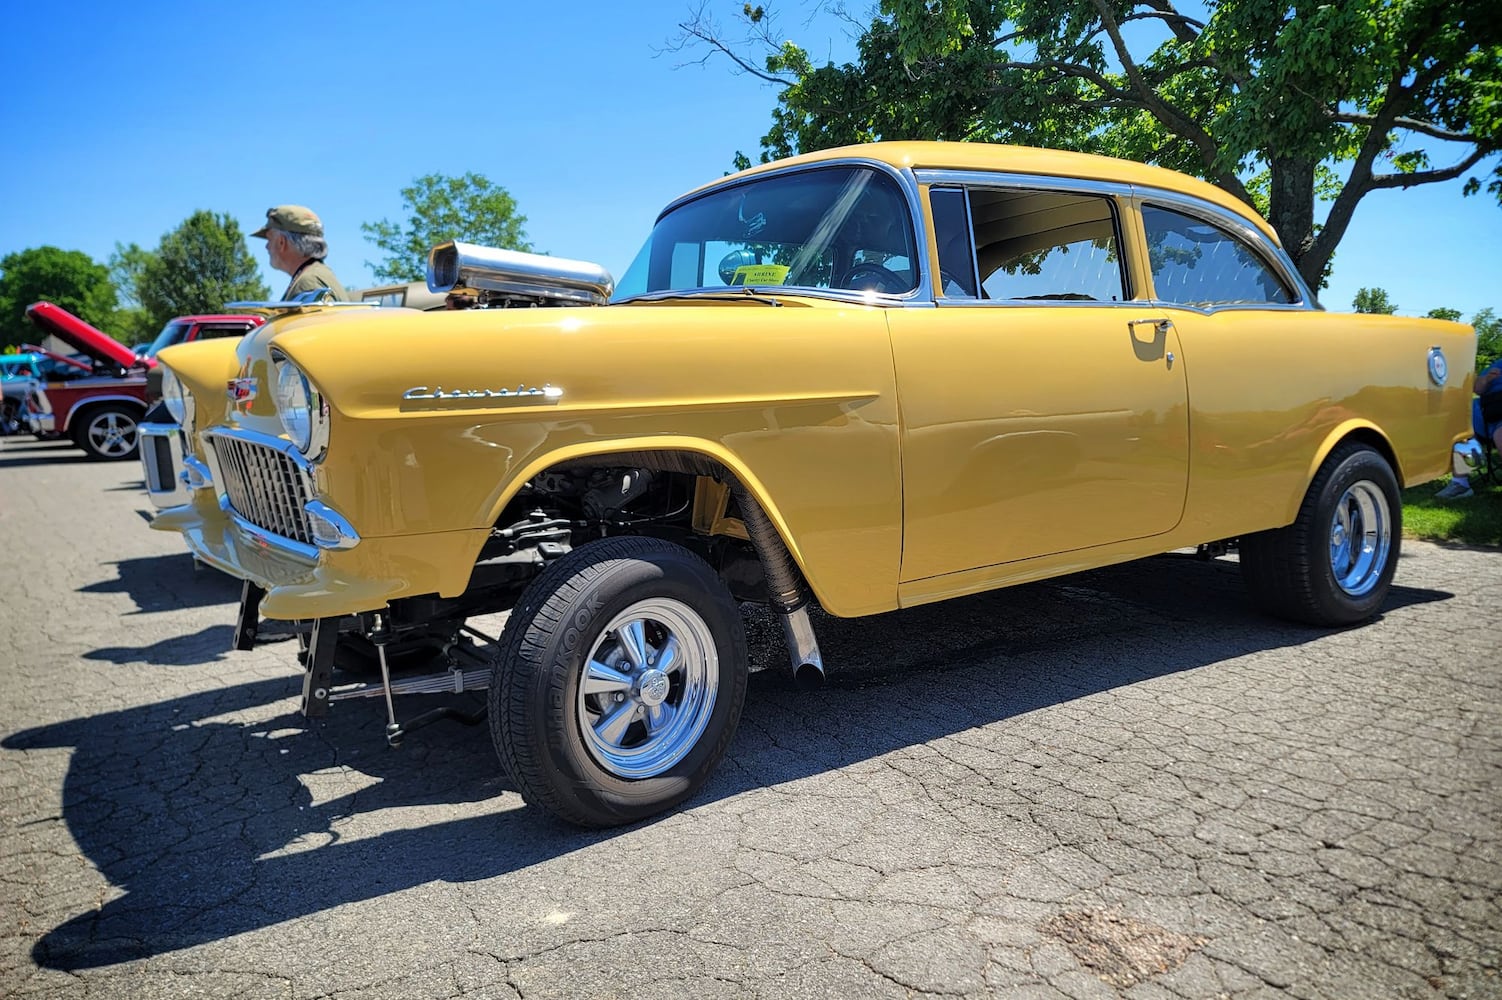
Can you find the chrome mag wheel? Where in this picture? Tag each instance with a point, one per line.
(1360, 538)
(648, 688)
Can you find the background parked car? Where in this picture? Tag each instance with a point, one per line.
(100, 410)
(19, 386)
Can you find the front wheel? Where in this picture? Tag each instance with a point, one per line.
(1335, 563)
(109, 433)
(619, 682)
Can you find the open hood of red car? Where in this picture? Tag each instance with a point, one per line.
(59, 358)
(62, 324)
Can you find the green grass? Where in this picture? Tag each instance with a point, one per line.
(1473, 521)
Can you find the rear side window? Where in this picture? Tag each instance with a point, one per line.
(1196, 263)
(1031, 246)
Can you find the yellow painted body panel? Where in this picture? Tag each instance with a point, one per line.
(803, 409)
(905, 453)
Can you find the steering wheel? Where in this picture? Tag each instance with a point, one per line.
(875, 278)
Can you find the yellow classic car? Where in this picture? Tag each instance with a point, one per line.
(870, 377)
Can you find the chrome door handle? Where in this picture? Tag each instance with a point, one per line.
(1161, 325)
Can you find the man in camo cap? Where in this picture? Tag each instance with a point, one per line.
(294, 241)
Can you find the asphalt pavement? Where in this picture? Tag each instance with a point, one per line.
(1125, 783)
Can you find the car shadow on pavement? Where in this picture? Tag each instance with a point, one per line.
(208, 645)
(224, 811)
(167, 583)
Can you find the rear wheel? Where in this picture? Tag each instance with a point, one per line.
(1335, 563)
(109, 433)
(620, 680)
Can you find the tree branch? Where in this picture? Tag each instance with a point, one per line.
(705, 34)
(1402, 121)
(1185, 29)
(1427, 176)
(1174, 119)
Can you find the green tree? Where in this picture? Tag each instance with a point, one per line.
(1488, 338)
(126, 265)
(198, 267)
(1443, 312)
(1282, 105)
(440, 208)
(69, 278)
(1373, 300)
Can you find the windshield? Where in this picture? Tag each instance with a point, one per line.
(172, 333)
(833, 227)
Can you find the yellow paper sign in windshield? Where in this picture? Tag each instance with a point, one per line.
(760, 274)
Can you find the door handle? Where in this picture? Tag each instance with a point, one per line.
(1162, 324)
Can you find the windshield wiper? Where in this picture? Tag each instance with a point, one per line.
(744, 295)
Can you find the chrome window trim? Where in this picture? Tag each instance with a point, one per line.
(1112, 191)
(1034, 182)
(1274, 256)
(907, 183)
(1269, 252)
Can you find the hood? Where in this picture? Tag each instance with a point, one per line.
(65, 326)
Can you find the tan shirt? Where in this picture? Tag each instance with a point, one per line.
(312, 275)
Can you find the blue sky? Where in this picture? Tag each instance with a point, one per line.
(123, 119)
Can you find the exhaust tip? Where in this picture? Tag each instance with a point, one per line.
(808, 676)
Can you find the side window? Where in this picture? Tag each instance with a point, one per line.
(1046, 245)
(1195, 263)
(952, 234)
(210, 332)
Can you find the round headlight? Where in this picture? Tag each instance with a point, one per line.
(294, 403)
(172, 395)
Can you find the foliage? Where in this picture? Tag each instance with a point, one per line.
(1255, 97)
(1488, 338)
(1443, 312)
(68, 278)
(131, 322)
(441, 208)
(1374, 300)
(197, 268)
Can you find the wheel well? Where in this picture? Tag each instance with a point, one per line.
(1369, 436)
(83, 410)
(680, 496)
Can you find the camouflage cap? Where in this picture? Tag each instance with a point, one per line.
(291, 219)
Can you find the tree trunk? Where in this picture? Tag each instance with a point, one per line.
(1291, 211)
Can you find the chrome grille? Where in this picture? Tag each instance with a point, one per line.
(266, 486)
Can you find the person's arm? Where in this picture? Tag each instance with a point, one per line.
(1487, 379)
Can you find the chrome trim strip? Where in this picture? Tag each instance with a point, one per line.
(263, 440)
(260, 536)
(348, 536)
(1272, 254)
(1031, 182)
(195, 475)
